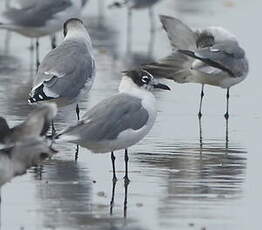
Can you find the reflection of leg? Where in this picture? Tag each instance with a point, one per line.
(227, 138)
(125, 202)
(76, 153)
(53, 129)
(114, 168)
(126, 168)
(37, 54)
(152, 21)
(53, 41)
(113, 197)
(201, 100)
(200, 134)
(77, 112)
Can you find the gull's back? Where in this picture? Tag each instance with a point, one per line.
(66, 71)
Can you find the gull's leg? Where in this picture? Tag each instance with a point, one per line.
(53, 129)
(227, 97)
(112, 198)
(100, 11)
(76, 153)
(77, 112)
(227, 115)
(129, 30)
(201, 100)
(37, 54)
(151, 18)
(126, 168)
(125, 202)
(114, 168)
(53, 41)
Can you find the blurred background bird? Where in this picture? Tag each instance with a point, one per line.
(35, 18)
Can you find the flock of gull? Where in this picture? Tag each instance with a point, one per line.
(208, 56)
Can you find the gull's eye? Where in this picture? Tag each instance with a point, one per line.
(145, 79)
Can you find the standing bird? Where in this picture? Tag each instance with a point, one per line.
(137, 4)
(36, 124)
(68, 70)
(37, 18)
(207, 56)
(119, 121)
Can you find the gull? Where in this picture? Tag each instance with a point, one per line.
(67, 71)
(119, 121)
(210, 56)
(35, 125)
(16, 159)
(137, 4)
(37, 18)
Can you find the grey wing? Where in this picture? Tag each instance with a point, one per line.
(179, 34)
(109, 118)
(65, 71)
(37, 14)
(225, 56)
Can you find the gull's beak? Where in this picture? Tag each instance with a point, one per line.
(161, 86)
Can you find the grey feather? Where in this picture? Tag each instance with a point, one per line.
(35, 125)
(15, 160)
(227, 56)
(109, 118)
(37, 14)
(71, 66)
(179, 34)
(175, 67)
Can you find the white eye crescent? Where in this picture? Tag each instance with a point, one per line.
(214, 49)
(145, 79)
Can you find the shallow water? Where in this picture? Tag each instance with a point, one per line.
(178, 180)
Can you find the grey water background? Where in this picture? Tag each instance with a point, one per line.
(176, 181)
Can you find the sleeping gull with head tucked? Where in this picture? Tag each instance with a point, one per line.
(210, 56)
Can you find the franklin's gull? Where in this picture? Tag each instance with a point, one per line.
(37, 18)
(210, 56)
(68, 70)
(137, 4)
(119, 121)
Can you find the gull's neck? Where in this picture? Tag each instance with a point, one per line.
(78, 32)
(129, 87)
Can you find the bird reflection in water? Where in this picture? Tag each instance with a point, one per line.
(114, 182)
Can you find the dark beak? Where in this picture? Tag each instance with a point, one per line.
(161, 86)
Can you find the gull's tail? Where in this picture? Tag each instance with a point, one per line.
(177, 66)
